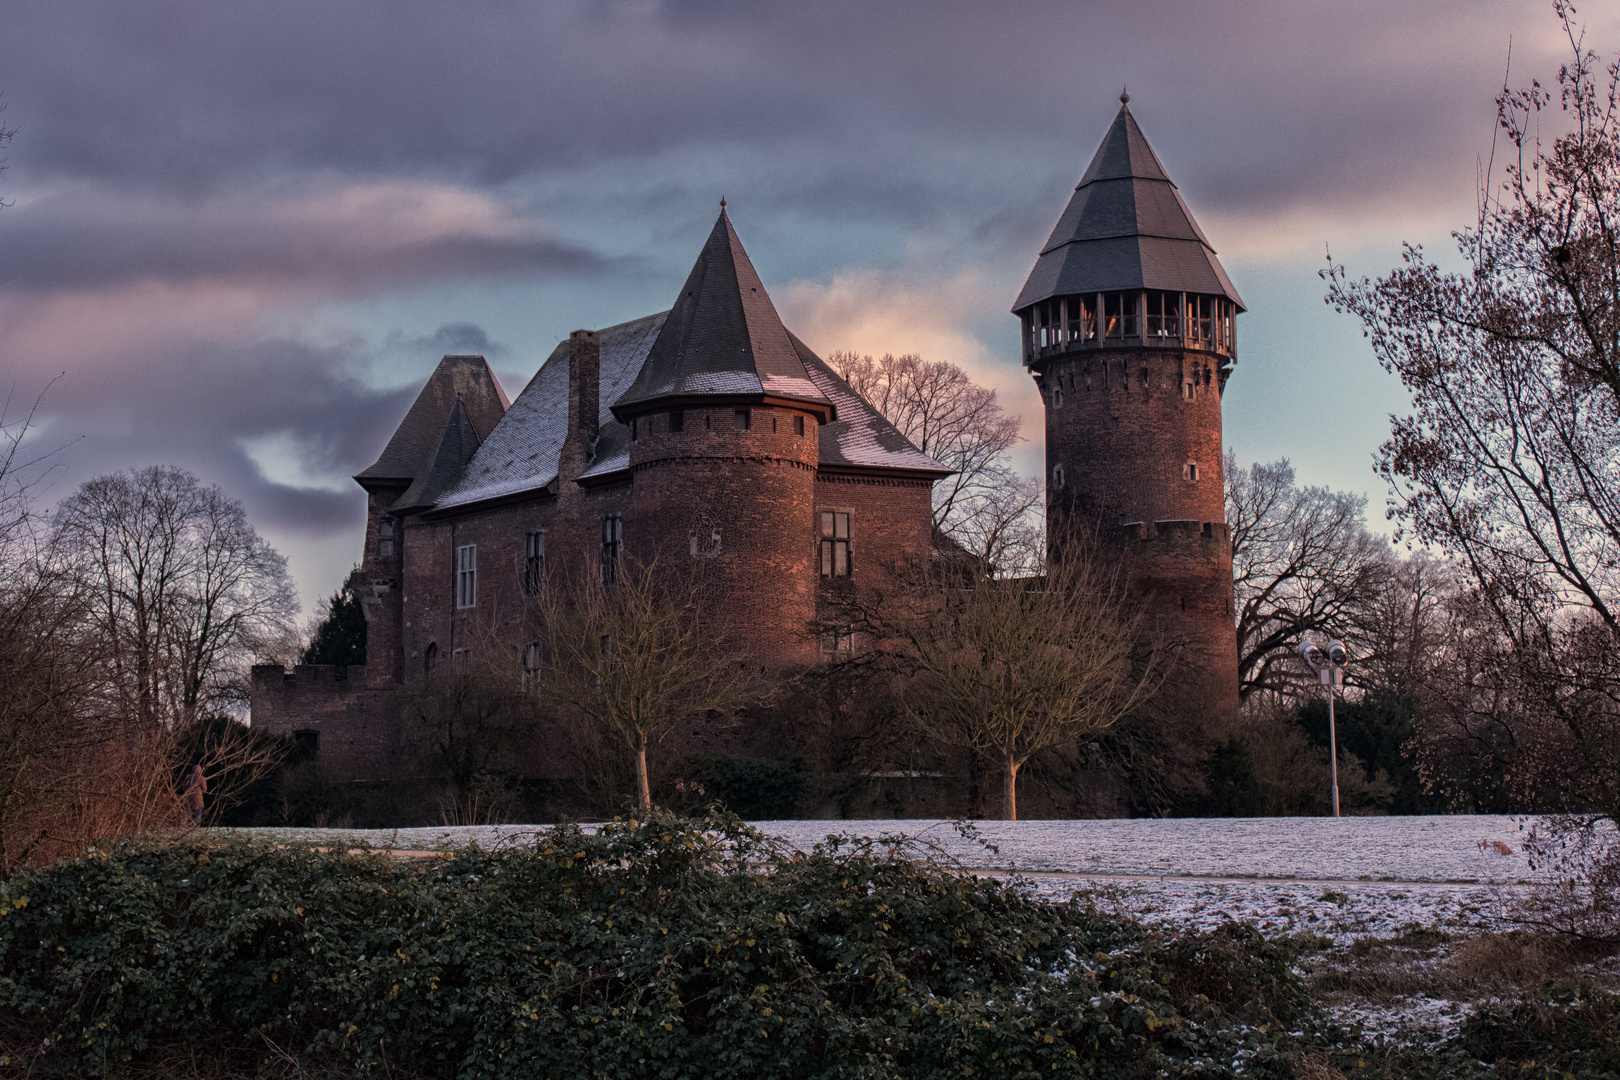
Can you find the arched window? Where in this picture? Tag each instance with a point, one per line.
(430, 656)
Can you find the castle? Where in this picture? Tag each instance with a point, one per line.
(711, 432)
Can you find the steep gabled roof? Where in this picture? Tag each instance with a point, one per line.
(723, 337)
(410, 452)
(860, 436)
(1126, 227)
(521, 454)
(456, 446)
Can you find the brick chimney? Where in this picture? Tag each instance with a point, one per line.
(584, 401)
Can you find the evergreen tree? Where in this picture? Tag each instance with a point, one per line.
(340, 638)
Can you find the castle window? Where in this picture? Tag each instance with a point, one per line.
(1119, 314)
(532, 657)
(835, 560)
(1201, 318)
(534, 561)
(740, 419)
(1057, 396)
(430, 656)
(1088, 318)
(773, 425)
(1189, 471)
(798, 425)
(1163, 314)
(1057, 476)
(385, 532)
(837, 643)
(1187, 390)
(1144, 376)
(306, 744)
(612, 545)
(467, 576)
(677, 420)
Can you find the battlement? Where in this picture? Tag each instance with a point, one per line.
(1176, 531)
(330, 711)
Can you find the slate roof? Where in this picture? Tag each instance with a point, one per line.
(456, 446)
(521, 454)
(412, 449)
(1126, 227)
(723, 336)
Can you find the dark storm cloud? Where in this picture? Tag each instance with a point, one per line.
(1256, 98)
(330, 237)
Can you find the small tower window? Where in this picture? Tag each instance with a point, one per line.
(677, 420)
(532, 656)
(1057, 396)
(1189, 471)
(740, 419)
(430, 656)
(798, 425)
(1057, 476)
(1187, 390)
(385, 533)
(835, 561)
(1163, 314)
(467, 576)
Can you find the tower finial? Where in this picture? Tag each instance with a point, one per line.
(722, 202)
(1124, 97)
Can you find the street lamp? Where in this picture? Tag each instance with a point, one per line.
(1329, 664)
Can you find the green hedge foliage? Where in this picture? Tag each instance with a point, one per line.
(659, 948)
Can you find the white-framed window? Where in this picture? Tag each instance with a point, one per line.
(835, 560)
(612, 547)
(534, 561)
(467, 576)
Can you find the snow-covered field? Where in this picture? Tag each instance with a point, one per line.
(1340, 878)
(1339, 881)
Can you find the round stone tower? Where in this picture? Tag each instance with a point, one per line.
(1129, 329)
(724, 423)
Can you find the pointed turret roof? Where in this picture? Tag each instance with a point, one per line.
(410, 452)
(723, 337)
(1126, 228)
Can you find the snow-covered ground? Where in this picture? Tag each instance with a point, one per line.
(1341, 878)
(1337, 880)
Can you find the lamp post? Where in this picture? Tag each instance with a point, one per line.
(1329, 664)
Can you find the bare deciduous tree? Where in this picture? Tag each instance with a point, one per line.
(641, 656)
(1302, 563)
(984, 505)
(182, 590)
(1011, 667)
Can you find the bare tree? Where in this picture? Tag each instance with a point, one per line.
(984, 505)
(182, 590)
(1011, 667)
(1302, 562)
(641, 656)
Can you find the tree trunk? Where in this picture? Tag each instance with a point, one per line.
(1009, 793)
(643, 789)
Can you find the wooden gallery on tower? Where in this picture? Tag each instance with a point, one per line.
(709, 431)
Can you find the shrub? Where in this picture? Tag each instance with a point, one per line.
(652, 948)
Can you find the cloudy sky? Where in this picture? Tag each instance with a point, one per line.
(241, 234)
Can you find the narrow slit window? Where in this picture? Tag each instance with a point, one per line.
(1057, 476)
(467, 576)
(532, 656)
(1057, 396)
(835, 560)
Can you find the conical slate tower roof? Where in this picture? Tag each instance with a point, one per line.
(1126, 228)
(723, 337)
